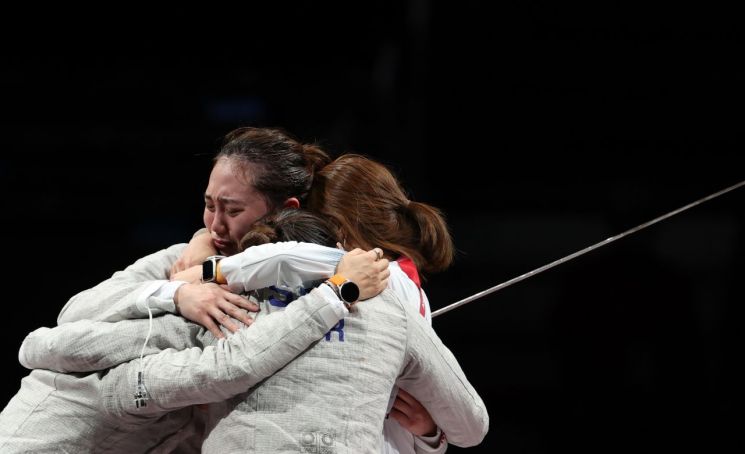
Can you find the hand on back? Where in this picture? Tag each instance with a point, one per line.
(365, 269)
(211, 304)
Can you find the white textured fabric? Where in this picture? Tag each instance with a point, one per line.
(334, 396)
(124, 306)
(55, 412)
(128, 293)
(82, 412)
(396, 439)
(116, 298)
(175, 379)
(89, 346)
(163, 292)
(290, 265)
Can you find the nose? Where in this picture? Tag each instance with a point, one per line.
(218, 224)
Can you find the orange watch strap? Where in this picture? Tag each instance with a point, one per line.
(219, 278)
(337, 279)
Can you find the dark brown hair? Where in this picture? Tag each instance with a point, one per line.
(289, 224)
(281, 166)
(367, 205)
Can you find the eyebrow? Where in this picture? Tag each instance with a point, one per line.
(223, 199)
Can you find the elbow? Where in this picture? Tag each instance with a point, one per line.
(483, 429)
(474, 431)
(479, 430)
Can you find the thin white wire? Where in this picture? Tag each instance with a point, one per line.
(582, 251)
(147, 338)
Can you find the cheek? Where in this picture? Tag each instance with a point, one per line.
(208, 217)
(240, 225)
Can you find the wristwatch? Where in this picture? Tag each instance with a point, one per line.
(210, 270)
(347, 291)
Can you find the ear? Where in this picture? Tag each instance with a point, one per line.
(292, 202)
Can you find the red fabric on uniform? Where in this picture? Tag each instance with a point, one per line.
(407, 266)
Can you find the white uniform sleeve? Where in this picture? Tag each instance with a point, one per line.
(433, 376)
(127, 293)
(435, 444)
(86, 345)
(396, 438)
(290, 265)
(176, 379)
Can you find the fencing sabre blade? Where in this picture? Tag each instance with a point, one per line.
(582, 251)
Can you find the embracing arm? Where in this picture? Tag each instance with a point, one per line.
(292, 265)
(176, 379)
(288, 265)
(87, 346)
(127, 293)
(433, 376)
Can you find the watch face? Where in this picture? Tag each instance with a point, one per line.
(208, 270)
(349, 292)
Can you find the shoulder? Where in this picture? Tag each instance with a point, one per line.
(171, 251)
(163, 258)
(404, 288)
(175, 249)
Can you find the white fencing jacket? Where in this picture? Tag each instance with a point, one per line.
(177, 379)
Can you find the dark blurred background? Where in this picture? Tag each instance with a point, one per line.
(538, 128)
